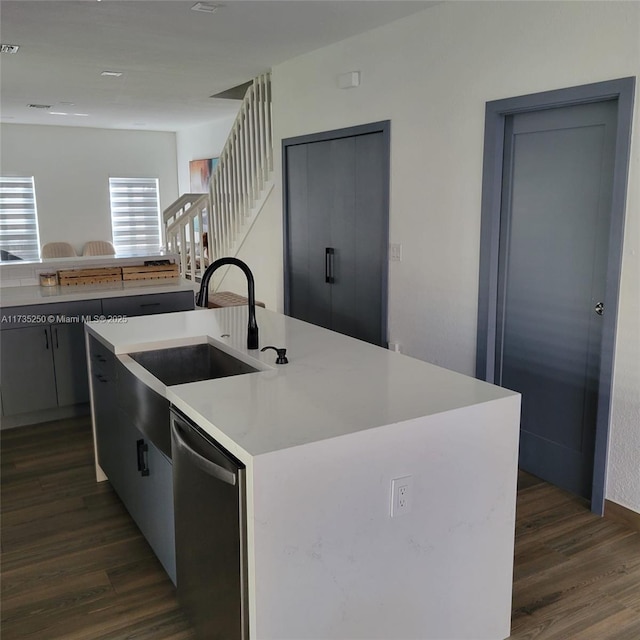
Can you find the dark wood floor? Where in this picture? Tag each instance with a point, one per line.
(75, 567)
(576, 576)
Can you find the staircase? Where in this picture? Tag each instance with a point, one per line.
(238, 190)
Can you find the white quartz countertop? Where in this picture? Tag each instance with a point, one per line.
(31, 295)
(333, 385)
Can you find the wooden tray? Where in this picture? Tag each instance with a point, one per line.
(228, 299)
(150, 272)
(97, 275)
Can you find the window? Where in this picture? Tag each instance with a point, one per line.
(19, 238)
(135, 215)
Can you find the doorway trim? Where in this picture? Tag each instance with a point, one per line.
(383, 127)
(622, 90)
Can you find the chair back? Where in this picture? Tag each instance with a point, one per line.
(57, 250)
(98, 248)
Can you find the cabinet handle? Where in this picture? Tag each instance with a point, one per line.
(150, 304)
(329, 252)
(100, 378)
(55, 329)
(142, 449)
(46, 339)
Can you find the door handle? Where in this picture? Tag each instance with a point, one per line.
(142, 449)
(599, 308)
(329, 252)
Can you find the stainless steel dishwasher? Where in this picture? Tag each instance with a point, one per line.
(210, 523)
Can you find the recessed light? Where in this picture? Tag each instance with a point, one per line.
(9, 48)
(58, 113)
(206, 7)
(112, 74)
(81, 114)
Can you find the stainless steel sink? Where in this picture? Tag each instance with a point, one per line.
(191, 363)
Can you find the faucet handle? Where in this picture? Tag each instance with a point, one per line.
(282, 354)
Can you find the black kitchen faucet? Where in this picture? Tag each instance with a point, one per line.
(203, 295)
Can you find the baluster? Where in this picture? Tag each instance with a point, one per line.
(210, 234)
(252, 142)
(223, 206)
(227, 203)
(269, 125)
(247, 155)
(183, 251)
(236, 164)
(234, 181)
(232, 191)
(242, 160)
(216, 206)
(256, 133)
(263, 130)
(200, 240)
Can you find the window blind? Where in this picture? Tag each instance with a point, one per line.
(135, 215)
(19, 239)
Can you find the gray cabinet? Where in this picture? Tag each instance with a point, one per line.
(152, 495)
(43, 364)
(28, 376)
(149, 304)
(72, 382)
(138, 471)
(43, 358)
(103, 382)
(336, 231)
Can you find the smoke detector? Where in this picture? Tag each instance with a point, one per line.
(205, 7)
(9, 48)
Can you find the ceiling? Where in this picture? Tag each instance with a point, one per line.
(172, 58)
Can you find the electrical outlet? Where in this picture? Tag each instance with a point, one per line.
(395, 252)
(401, 496)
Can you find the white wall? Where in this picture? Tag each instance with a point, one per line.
(72, 166)
(431, 75)
(199, 143)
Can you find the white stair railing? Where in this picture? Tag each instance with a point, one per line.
(184, 223)
(236, 188)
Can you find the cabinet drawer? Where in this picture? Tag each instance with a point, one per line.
(147, 410)
(57, 312)
(102, 360)
(149, 304)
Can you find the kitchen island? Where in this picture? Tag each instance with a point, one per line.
(323, 438)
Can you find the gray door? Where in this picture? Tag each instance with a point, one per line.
(27, 372)
(72, 380)
(557, 188)
(337, 233)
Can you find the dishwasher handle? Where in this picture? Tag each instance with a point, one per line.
(202, 463)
